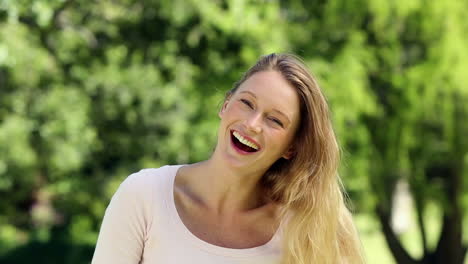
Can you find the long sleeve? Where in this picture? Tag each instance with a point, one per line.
(126, 223)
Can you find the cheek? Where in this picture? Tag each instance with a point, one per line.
(285, 140)
(279, 139)
(230, 114)
(235, 111)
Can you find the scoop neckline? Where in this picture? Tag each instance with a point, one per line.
(182, 229)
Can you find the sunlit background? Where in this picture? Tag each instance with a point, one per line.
(91, 91)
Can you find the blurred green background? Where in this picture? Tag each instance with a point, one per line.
(91, 91)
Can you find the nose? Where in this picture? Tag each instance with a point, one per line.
(254, 123)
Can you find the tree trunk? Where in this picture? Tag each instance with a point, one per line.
(398, 251)
(450, 247)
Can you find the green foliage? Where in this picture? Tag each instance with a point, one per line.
(91, 91)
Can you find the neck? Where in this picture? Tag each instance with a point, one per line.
(225, 190)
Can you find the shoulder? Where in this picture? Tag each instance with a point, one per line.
(144, 183)
(147, 176)
(139, 192)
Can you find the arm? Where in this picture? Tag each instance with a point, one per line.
(126, 221)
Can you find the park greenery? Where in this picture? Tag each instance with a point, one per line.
(91, 91)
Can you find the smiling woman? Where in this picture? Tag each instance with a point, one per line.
(258, 122)
(269, 193)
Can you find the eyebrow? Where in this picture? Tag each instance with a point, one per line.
(275, 110)
(249, 92)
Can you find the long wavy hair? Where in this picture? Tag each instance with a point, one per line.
(317, 227)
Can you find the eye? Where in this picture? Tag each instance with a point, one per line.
(276, 121)
(247, 103)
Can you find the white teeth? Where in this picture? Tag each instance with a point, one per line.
(244, 141)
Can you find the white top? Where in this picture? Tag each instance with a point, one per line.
(141, 225)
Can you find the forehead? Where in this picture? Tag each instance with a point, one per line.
(273, 90)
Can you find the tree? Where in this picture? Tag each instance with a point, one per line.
(91, 91)
(403, 69)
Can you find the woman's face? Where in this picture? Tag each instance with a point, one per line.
(259, 121)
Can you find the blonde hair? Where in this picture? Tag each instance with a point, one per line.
(317, 225)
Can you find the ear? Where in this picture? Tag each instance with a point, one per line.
(289, 153)
(223, 108)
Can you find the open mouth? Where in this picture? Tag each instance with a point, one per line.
(242, 143)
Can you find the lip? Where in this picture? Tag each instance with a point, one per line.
(247, 137)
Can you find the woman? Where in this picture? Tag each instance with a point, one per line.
(268, 194)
